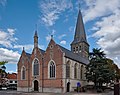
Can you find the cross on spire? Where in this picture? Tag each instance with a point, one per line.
(23, 48)
(36, 26)
(35, 38)
(79, 5)
(51, 36)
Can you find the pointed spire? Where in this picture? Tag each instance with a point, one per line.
(36, 31)
(80, 45)
(36, 34)
(36, 38)
(80, 34)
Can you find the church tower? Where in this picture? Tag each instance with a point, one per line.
(35, 39)
(80, 45)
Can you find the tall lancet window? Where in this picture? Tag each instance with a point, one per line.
(23, 73)
(68, 69)
(82, 71)
(52, 69)
(75, 70)
(36, 67)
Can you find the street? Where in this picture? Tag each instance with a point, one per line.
(5, 92)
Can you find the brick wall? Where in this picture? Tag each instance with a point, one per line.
(54, 53)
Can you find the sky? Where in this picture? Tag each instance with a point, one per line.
(20, 18)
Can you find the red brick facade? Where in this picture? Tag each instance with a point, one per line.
(52, 53)
(45, 71)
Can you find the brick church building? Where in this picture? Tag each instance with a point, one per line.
(55, 69)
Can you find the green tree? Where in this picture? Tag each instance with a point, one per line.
(114, 68)
(2, 72)
(2, 66)
(3, 62)
(98, 70)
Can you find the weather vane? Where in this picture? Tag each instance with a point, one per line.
(36, 26)
(51, 36)
(23, 48)
(79, 4)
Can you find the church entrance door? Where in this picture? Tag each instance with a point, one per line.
(36, 85)
(68, 87)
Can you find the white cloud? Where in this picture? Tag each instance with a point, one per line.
(63, 42)
(107, 27)
(66, 18)
(48, 37)
(109, 36)
(28, 48)
(71, 29)
(99, 8)
(52, 9)
(7, 37)
(9, 55)
(61, 36)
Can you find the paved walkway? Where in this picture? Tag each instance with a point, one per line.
(21, 93)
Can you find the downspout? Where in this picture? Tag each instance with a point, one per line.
(64, 69)
(28, 76)
(42, 74)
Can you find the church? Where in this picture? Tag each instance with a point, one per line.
(55, 69)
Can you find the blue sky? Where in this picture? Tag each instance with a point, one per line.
(18, 19)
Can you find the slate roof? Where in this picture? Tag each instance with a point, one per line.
(28, 55)
(73, 56)
(68, 54)
(42, 51)
(80, 35)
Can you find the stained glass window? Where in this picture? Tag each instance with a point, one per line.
(36, 67)
(52, 69)
(68, 70)
(23, 73)
(75, 71)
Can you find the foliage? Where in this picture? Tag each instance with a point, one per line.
(2, 72)
(3, 62)
(99, 70)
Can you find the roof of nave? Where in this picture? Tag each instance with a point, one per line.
(42, 51)
(74, 56)
(68, 54)
(29, 55)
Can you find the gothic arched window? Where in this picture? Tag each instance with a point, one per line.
(81, 71)
(75, 70)
(68, 70)
(79, 48)
(52, 69)
(23, 73)
(36, 67)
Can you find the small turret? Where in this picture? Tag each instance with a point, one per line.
(35, 39)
